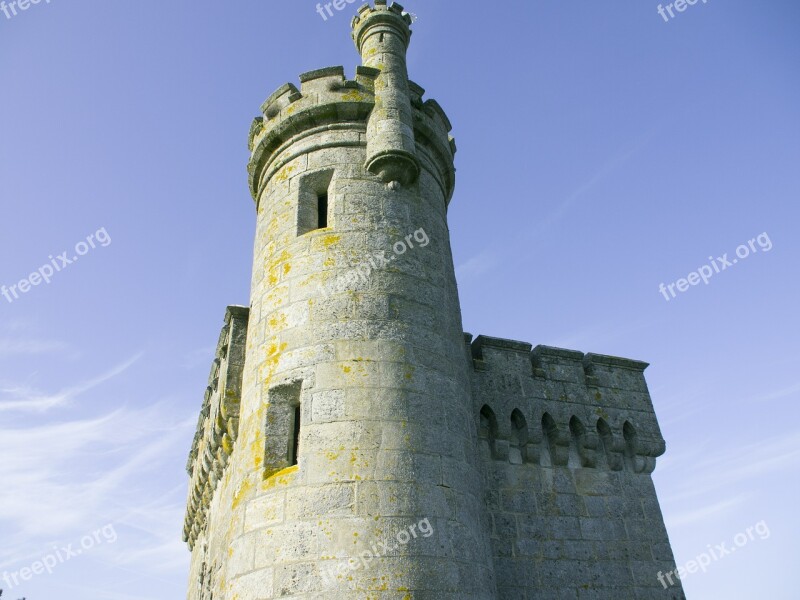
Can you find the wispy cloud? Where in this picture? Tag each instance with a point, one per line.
(601, 336)
(724, 469)
(79, 475)
(66, 474)
(477, 265)
(791, 390)
(200, 357)
(703, 513)
(614, 163)
(30, 347)
(25, 398)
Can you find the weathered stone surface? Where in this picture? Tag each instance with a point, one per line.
(350, 444)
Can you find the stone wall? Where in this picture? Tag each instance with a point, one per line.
(568, 442)
(213, 444)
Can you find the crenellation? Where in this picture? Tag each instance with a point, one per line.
(366, 76)
(617, 373)
(594, 407)
(587, 423)
(256, 129)
(435, 111)
(560, 364)
(327, 75)
(366, 10)
(280, 99)
(326, 98)
(416, 93)
(218, 426)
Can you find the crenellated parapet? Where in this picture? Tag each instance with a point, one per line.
(557, 407)
(218, 424)
(382, 9)
(327, 102)
(380, 110)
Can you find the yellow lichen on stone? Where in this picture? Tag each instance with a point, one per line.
(274, 350)
(257, 450)
(277, 322)
(281, 478)
(330, 240)
(241, 492)
(284, 173)
(354, 96)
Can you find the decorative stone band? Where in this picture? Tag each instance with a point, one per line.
(218, 425)
(327, 100)
(552, 399)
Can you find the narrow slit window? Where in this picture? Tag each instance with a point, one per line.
(316, 202)
(322, 211)
(282, 427)
(295, 448)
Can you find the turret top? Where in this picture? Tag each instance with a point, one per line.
(393, 16)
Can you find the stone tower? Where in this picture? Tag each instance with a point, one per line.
(352, 442)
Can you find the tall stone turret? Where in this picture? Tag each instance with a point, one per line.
(353, 472)
(350, 444)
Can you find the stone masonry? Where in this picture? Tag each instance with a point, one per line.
(354, 442)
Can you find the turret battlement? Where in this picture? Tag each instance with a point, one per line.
(325, 98)
(563, 395)
(381, 7)
(327, 101)
(381, 109)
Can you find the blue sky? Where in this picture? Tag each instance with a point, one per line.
(602, 152)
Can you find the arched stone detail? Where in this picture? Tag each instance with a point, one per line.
(584, 444)
(519, 438)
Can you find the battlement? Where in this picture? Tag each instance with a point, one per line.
(325, 98)
(393, 15)
(381, 6)
(327, 101)
(564, 398)
(218, 424)
(567, 441)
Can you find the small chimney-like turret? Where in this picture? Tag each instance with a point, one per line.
(382, 35)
